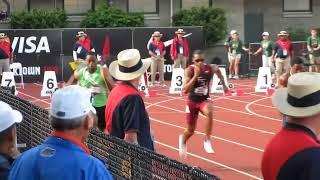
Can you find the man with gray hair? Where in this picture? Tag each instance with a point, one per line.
(64, 154)
(294, 152)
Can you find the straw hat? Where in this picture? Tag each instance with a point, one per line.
(156, 34)
(129, 66)
(3, 35)
(180, 31)
(302, 96)
(283, 33)
(81, 33)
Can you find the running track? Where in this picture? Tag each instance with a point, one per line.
(242, 127)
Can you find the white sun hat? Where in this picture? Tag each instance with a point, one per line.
(8, 116)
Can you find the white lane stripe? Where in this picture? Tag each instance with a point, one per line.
(212, 162)
(249, 110)
(249, 102)
(215, 137)
(224, 122)
(33, 97)
(215, 106)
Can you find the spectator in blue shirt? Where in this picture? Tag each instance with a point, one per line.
(64, 155)
(8, 136)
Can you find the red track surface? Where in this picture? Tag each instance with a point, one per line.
(242, 127)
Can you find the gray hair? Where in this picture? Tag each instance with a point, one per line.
(66, 124)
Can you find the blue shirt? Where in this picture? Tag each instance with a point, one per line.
(59, 158)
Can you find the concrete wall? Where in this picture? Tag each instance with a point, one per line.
(274, 20)
(234, 13)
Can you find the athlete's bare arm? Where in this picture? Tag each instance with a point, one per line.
(190, 80)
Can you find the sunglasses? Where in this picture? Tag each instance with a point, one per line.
(199, 60)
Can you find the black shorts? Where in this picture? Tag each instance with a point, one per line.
(101, 117)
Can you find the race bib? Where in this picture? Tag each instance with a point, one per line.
(79, 49)
(181, 50)
(285, 52)
(158, 52)
(201, 90)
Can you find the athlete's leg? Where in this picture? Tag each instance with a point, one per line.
(191, 117)
(236, 67)
(206, 108)
(231, 67)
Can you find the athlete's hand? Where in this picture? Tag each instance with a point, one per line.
(197, 71)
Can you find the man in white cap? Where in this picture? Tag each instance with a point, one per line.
(64, 154)
(179, 50)
(126, 116)
(8, 138)
(294, 152)
(266, 47)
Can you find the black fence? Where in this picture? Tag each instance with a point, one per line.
(125, 161)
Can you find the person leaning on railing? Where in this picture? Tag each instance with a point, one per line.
(64, 155)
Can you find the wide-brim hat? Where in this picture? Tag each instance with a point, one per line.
(283, 33)
(180, 31)
(129, 66)
(156, 34)
(2, 35)
(302, 96)
(80, 34)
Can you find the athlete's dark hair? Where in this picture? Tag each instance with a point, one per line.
(198, 51)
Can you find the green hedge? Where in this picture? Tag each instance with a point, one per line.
(39, 19)
(298, 34)
(212, 19)
(106, 16)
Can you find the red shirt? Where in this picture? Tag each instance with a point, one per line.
(5, 50)
(200, 90)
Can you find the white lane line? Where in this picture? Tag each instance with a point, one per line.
(34, 97)
(220, 121)
(33, 101)
(250, 111)
(215, 106)
(211, 161)
(249, 102)
(215, 137)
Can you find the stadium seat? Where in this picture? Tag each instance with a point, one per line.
(16, 68)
